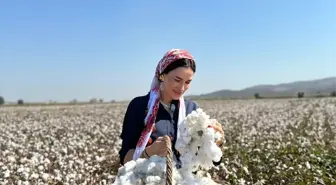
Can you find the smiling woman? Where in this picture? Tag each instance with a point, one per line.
(176, 79)
(151, 117)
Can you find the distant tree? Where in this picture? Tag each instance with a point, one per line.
(93, 100)
(74, 101)
(2, 100)
(20, 102)
(319, 95)
(52, 102)
(101, 100)
(333, 94)
(300, 94)
(256, 95)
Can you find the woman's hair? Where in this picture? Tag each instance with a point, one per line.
(183, 62)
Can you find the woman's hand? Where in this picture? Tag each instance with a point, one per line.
(218, 128)
(159, 147)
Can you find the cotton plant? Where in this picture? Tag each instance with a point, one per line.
(197, 145)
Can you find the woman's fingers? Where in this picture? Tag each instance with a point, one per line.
(160, 146)
(219, 143)
(216, 128)
(160, 139)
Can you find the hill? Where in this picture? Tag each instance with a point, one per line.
(316, 87)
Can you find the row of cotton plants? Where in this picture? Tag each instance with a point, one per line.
(284, 141)
(278, 141)
(72, 145)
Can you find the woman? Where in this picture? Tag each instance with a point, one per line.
(148, 118)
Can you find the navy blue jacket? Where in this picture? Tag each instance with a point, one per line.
(165, 124)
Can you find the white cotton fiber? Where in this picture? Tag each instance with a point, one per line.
(142, 171)
(196, 144)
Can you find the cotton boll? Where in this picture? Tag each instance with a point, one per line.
(153, 180)
(151, 167)
(183, 129)
(194, 146)
(187, 158)
(45, 177)
(155, 165)
(143, 171)
(126, 179)
(215, 152)
(127, 167)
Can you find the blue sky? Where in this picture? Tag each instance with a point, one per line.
(60, 50)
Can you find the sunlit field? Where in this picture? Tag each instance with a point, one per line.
(285, 141)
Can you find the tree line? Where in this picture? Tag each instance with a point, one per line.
(74, 101)
(301, 95)
(95, 100)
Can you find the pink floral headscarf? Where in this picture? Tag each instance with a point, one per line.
(154, 100)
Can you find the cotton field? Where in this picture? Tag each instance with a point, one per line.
(285, 141)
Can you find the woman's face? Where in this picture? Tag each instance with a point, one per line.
(177, 81)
